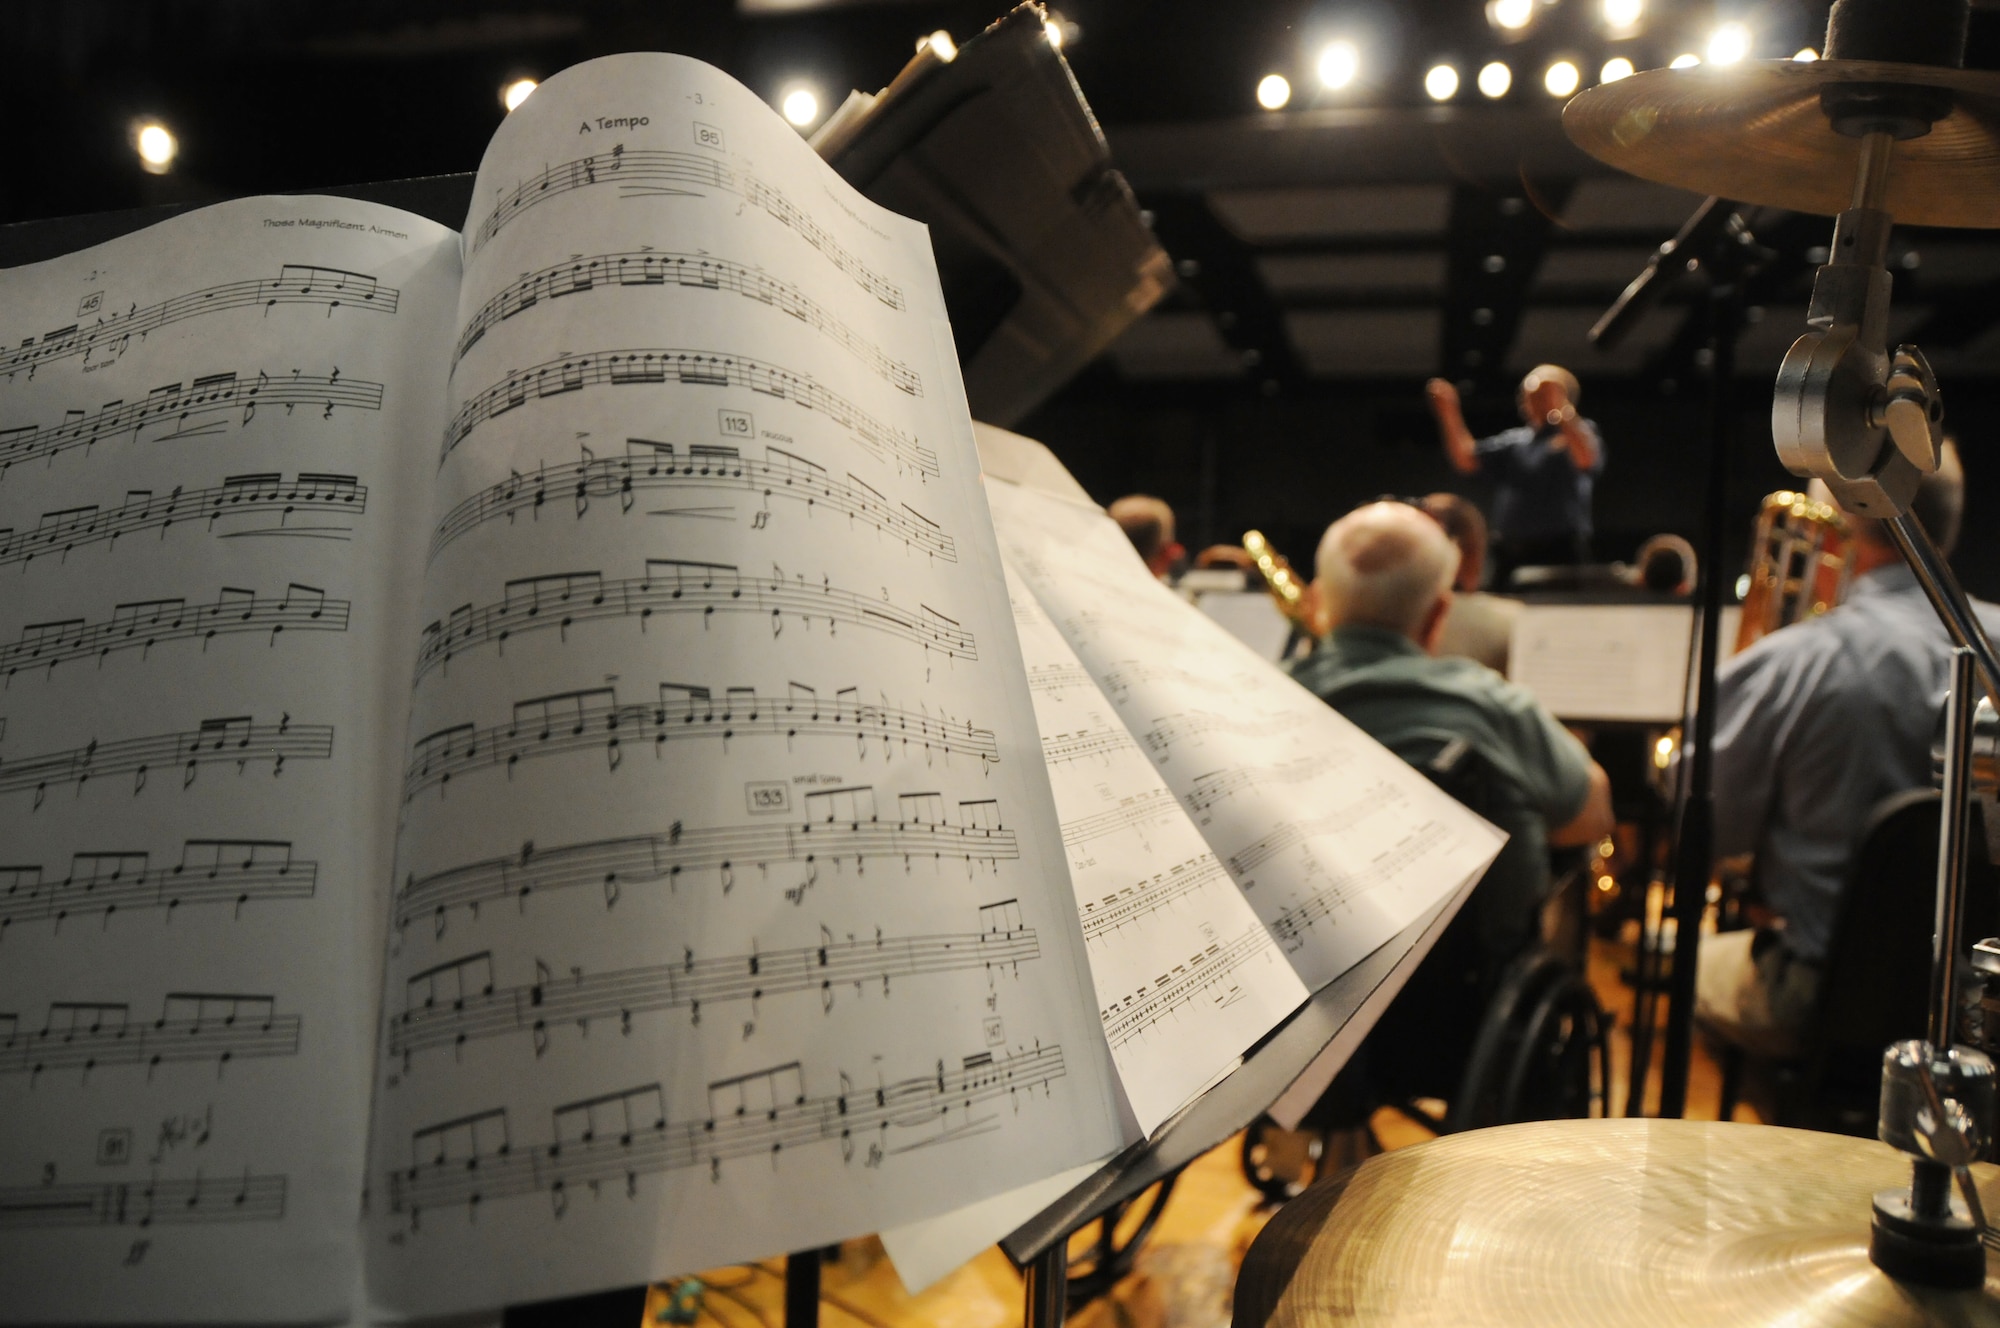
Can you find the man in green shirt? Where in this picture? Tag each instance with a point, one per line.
(1384, 574)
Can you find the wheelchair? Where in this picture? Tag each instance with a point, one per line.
(1495, 1023)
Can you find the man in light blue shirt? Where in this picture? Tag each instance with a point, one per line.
(1816, 724)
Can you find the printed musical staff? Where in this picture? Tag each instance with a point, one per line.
(1083, 744)
(648, 267)
(1289, 927)
(621, 1136)
(1186, 981)
(210, 871)
(1056, 679)
(1138, 809)
(108, 337)
(175, 404)
(649, 467)
(1374, 798)
(457, 1002)
(1133, 902)
(309, 497)
(193, 1026)
(155, 1202)
(142, 624)
(238, 740)
(1213, 787)
(645, 366)
(593, 718)
(1181, 728)
(836, 833)
(671, 586)
(648, 173)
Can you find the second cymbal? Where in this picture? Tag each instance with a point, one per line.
(1755, 133)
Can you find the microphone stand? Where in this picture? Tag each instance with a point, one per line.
(1716, 243)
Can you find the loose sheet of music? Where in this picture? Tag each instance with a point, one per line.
(211, 499)
(1334, 841)
(730, 915)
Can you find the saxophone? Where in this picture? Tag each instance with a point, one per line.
(1294, 596)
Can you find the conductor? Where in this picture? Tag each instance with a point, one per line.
(1542, 469)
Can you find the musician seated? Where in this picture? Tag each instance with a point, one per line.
(1815, 725)
(1384, 576)
(1149, 523)
(1478, 625)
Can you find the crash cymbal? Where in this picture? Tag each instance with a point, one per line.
(1755, 132)
(1656, 1222)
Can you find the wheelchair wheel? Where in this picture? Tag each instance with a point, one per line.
(1562, 1062)
(1115, 1255)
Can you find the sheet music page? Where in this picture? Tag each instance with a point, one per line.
(209, 519)
(1186, 975)
(731, 914)
(1335, 842)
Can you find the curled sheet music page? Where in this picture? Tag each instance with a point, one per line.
(208, 512)
(1336, 843)
(1187, 976)
(731, 914)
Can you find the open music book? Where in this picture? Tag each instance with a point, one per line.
(519, 773)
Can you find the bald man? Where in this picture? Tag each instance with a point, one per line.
(1384, 574)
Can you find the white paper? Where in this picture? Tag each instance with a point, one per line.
(732, 915)
(925, 1252)
(1604, 661)
(1186, 975)
(208, 514)
(1336, 843)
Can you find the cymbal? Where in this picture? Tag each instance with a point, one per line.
(1754, 132)
(1656, 1222)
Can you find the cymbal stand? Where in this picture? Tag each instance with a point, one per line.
(1870, 423)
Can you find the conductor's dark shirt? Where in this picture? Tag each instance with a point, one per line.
(1538, 491)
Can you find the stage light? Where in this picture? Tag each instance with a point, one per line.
(1685, 60)
(1511, 15)
(1053, 29)
(1622, 14)
(1339, 62)
(1495, 79)
(516, 92)
(941, 45)
(1273, 91)
(1441, 82)
(1806, 56)
(1561, 79)
(1729, 44)
(1615, 68)
(157, 148)
(801, 107)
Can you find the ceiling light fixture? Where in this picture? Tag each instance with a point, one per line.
(801, 107)
(1729, 44)
(1339, 62)
(1615, 68)
(1441, 82)
(1685, 60)
(1561, 79)
(1495, 79)
(1510, 15)
(1273, 92)
(1623, 14)
(516, 92)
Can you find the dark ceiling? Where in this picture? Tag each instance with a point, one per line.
(1332, 253)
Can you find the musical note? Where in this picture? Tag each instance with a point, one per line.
(238, 496)
(193, 1026)
(559, 601)
(142, 624)
(1290, 926)
(1377, 797)
(457, 1002)
(177, 403)
(654, 172)
(1136, 1013)
(1056, 679)
(1160, 738)
(1082, 745)
(295, 284)
(1128, 904)
(154, 1202)
(845, 828)
(238, 740)
(594, 718)
(651, 366)
(649, 267)
(210, 871)
(648, 467)
(617, 1137)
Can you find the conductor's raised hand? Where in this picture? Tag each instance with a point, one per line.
(1443, 396)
